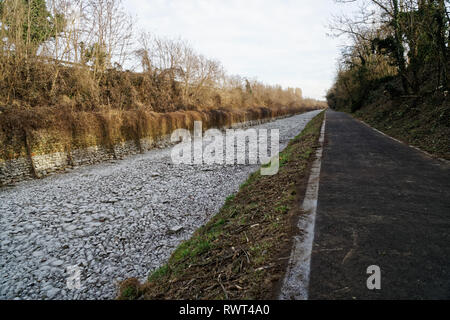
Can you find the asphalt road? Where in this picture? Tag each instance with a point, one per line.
(380, 203)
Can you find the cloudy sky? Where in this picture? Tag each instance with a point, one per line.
(275, 41)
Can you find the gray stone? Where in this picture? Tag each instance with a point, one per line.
(175, 229)
(52, 293)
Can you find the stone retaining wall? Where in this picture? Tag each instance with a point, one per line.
(38, 166)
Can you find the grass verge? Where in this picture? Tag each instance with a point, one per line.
(242, 252)
(423, 122)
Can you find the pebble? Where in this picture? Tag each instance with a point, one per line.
(52, 293)
(175, 229)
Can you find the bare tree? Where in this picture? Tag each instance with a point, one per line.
(109, 32)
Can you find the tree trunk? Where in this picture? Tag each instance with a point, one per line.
(400, 50)
(441, 39)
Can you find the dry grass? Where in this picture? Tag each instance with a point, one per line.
(80, 110)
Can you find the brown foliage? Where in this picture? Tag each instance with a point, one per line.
(70, 83)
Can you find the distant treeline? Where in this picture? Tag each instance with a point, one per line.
(401, 44)
(72, 53)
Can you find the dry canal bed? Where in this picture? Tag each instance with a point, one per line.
(113, 220)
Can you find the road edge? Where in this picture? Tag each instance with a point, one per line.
(404, 143)
(296, 282)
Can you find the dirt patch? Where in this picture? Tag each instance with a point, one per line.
(242, 253)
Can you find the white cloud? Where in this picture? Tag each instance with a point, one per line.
(277, 42)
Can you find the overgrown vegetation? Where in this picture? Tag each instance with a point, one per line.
(62, 75)
(72, 53)
(243, 251)
(395, 73)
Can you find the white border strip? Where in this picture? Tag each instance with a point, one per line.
(296, 282)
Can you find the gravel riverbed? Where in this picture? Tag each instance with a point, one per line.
(113, 220)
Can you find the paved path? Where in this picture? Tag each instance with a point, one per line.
(380, 203)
